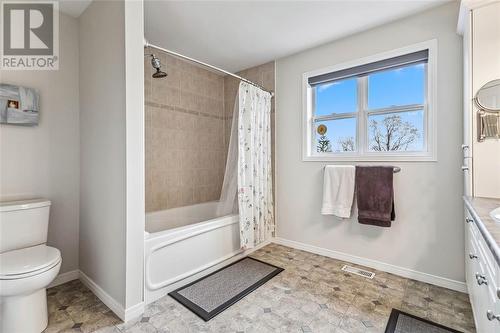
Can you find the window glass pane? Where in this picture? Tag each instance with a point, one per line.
(336, 97)
(400, 131)
(335, 135)
(396, 87)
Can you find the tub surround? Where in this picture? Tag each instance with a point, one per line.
(188, 126)
(182, 216)
(480, 209)
(185, 150)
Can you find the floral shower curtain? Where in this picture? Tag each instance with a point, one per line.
(255, 197)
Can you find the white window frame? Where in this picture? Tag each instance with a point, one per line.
(429, 152)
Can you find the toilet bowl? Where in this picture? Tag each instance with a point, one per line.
(24, 275)
(27, 266)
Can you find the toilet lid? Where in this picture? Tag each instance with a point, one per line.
(28, 260)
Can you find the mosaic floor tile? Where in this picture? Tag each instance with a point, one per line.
(311, 295)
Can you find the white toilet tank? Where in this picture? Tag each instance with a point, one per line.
(23, 223)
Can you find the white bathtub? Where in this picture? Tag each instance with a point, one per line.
(182, 244)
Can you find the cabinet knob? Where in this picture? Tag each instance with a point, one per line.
(468, 220)
(491, 316)
(464, 168)
(465, 147)
(481, 279)
(472, 256)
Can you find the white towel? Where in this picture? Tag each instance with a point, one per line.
(338, 190)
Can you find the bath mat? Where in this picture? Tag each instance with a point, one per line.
(214, 293)
(401, 322)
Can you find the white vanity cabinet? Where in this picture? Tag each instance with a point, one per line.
(483, 279)
(479, 24)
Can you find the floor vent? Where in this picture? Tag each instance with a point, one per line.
(358, 271)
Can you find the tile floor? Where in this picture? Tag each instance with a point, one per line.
(311, 295)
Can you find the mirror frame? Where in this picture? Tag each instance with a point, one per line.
(476, 99)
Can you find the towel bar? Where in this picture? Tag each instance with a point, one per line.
(395, 169)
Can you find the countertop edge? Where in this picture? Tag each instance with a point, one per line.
(492, 244)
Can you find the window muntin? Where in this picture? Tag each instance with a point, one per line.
(398, 92)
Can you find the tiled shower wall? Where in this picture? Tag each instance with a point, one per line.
(185, 150)
(188, 124)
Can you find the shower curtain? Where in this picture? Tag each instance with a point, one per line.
(248, 168)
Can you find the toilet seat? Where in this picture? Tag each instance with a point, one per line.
(30, 261)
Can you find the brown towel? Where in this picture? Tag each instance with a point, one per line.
(375, 195)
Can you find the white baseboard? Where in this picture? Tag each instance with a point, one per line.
(65, 277)
(134, 311)
(381, 266)
(114, 305)
(110, 302)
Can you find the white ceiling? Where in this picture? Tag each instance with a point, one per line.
(73, 7)
(235, 35)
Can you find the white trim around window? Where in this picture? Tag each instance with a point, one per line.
(430, 119)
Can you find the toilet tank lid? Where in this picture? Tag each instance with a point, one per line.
(6, 206)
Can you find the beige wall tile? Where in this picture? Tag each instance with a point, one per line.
(187, 131)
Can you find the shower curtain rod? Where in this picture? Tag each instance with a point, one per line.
(178, 55)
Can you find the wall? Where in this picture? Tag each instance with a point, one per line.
(111, 154)
(427, 235)
(43, 161)
(135, 158)
(485, 67)
(185, 151)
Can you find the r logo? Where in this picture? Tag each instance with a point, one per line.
(30, 35)
(28, 29)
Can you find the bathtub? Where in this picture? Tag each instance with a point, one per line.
(185, 243)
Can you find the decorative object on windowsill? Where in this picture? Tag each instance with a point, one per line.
(18, 105)
(324, 145)
(487, 100)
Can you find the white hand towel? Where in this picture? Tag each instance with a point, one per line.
(338, 190)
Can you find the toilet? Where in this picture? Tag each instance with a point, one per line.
(27, 265)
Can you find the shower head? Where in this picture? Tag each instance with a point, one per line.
(155, 62)
(159, 74)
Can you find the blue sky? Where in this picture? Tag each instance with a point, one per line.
(401, 86)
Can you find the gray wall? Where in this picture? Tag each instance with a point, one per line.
(43, 161)
(102, 142)
(427, 235)
(134, 78)
(112, 148)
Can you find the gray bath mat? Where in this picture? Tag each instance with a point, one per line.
(212, 294)
(400, 322)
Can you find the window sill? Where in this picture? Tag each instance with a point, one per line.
(371, 158)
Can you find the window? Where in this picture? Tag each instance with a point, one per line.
(375, 109)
